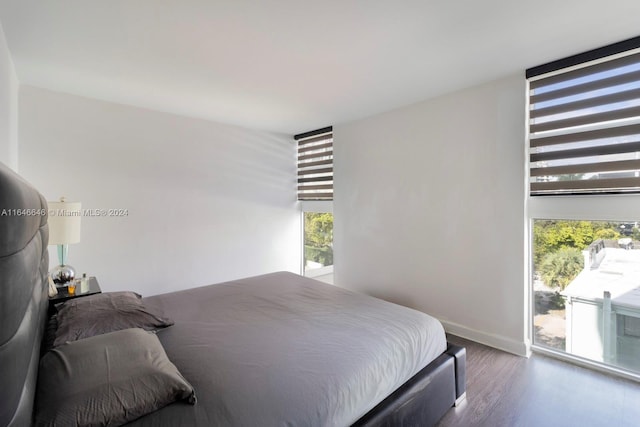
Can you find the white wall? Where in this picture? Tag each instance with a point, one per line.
(206, 202)
(429, 210)
(8, 107)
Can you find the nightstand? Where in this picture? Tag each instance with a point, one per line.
(63, 293)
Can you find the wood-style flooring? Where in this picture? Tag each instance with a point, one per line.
(508, 390)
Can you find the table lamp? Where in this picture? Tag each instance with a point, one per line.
(64, 229)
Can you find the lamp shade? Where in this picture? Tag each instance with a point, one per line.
(64, 222)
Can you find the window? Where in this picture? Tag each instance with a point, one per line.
(584, 185)
(315, 191)
(585, 285)
(318, 243)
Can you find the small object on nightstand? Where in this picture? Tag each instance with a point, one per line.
(53, 290)
(64, 229)
(71, 287)
(64, 293)
(84, 283)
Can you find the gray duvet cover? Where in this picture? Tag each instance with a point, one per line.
(284, 350)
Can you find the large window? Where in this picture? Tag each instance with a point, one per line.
(584, 207)
(315, 192)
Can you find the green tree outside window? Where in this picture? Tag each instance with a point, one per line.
(318, 238)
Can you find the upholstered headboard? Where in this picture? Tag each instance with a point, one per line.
(24, 262)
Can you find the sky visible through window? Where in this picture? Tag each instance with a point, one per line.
(626, 70)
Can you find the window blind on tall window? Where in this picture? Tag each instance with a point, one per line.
(315, 164)
(584, 123)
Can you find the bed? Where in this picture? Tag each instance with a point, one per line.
(276, 349)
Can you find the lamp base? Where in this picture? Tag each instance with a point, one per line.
(62, 274)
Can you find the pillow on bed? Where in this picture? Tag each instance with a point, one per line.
(101, 313)
(108, 379)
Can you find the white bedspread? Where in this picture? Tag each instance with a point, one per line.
(284, 350)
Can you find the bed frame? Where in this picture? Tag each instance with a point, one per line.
(24, 262)
(425, 397)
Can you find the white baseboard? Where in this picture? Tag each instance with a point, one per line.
(496, 341)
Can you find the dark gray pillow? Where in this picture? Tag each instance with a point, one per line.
(101, 313)
(107, 380)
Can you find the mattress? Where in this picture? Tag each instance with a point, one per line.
(284, 350)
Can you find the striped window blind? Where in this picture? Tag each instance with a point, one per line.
(584, 123)
(315, 164)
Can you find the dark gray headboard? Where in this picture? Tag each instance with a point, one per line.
(24, 262)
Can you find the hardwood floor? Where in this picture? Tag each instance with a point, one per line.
(508, 390)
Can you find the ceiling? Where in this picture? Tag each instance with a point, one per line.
(292, 65)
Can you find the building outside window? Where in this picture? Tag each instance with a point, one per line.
(586, 288)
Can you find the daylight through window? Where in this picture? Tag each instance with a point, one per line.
(585, 127)
(315, 165)
(584, 176)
